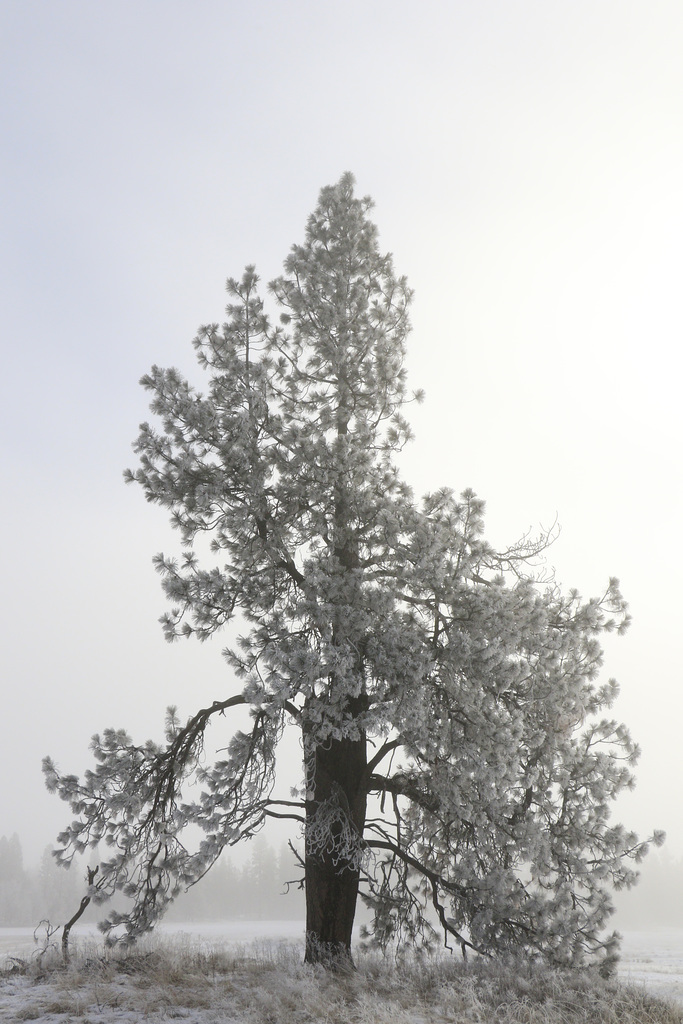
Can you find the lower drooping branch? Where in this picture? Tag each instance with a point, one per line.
(435, 881)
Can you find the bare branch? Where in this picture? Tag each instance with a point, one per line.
(435, 880)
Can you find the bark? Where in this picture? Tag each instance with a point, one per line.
(338, 775)
(85, 902)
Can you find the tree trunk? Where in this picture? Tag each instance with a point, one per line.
(337, 779)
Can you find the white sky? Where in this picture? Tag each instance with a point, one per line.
(526, 159)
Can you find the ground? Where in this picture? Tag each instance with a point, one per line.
(206, 981)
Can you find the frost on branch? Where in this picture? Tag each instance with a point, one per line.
(132, 804)
(460, 757)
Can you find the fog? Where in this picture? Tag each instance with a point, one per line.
(259, 881)
(526, 163)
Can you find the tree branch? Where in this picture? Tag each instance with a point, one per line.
(381, 754)
(435, 880)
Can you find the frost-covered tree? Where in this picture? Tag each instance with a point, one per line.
(456, 763)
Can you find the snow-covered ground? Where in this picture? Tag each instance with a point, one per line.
(651, 958)
(655, 960)
(20, 942)
(265, 962)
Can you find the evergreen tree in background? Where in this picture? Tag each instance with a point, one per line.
(456, 758)
(12, 880)
(256, 891)
(28, 895)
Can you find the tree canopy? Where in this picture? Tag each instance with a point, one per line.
(458, 764)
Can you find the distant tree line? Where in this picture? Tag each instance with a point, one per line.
(28, 895)
(256, 890)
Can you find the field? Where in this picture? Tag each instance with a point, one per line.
(229, 976)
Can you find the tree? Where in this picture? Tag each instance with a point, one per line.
(446, 695)
(14, 891)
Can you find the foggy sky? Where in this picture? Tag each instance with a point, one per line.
(526, 161)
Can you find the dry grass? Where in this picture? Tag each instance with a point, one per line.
(268, 984)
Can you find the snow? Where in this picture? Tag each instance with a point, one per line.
(265, 958)
(654, 959)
